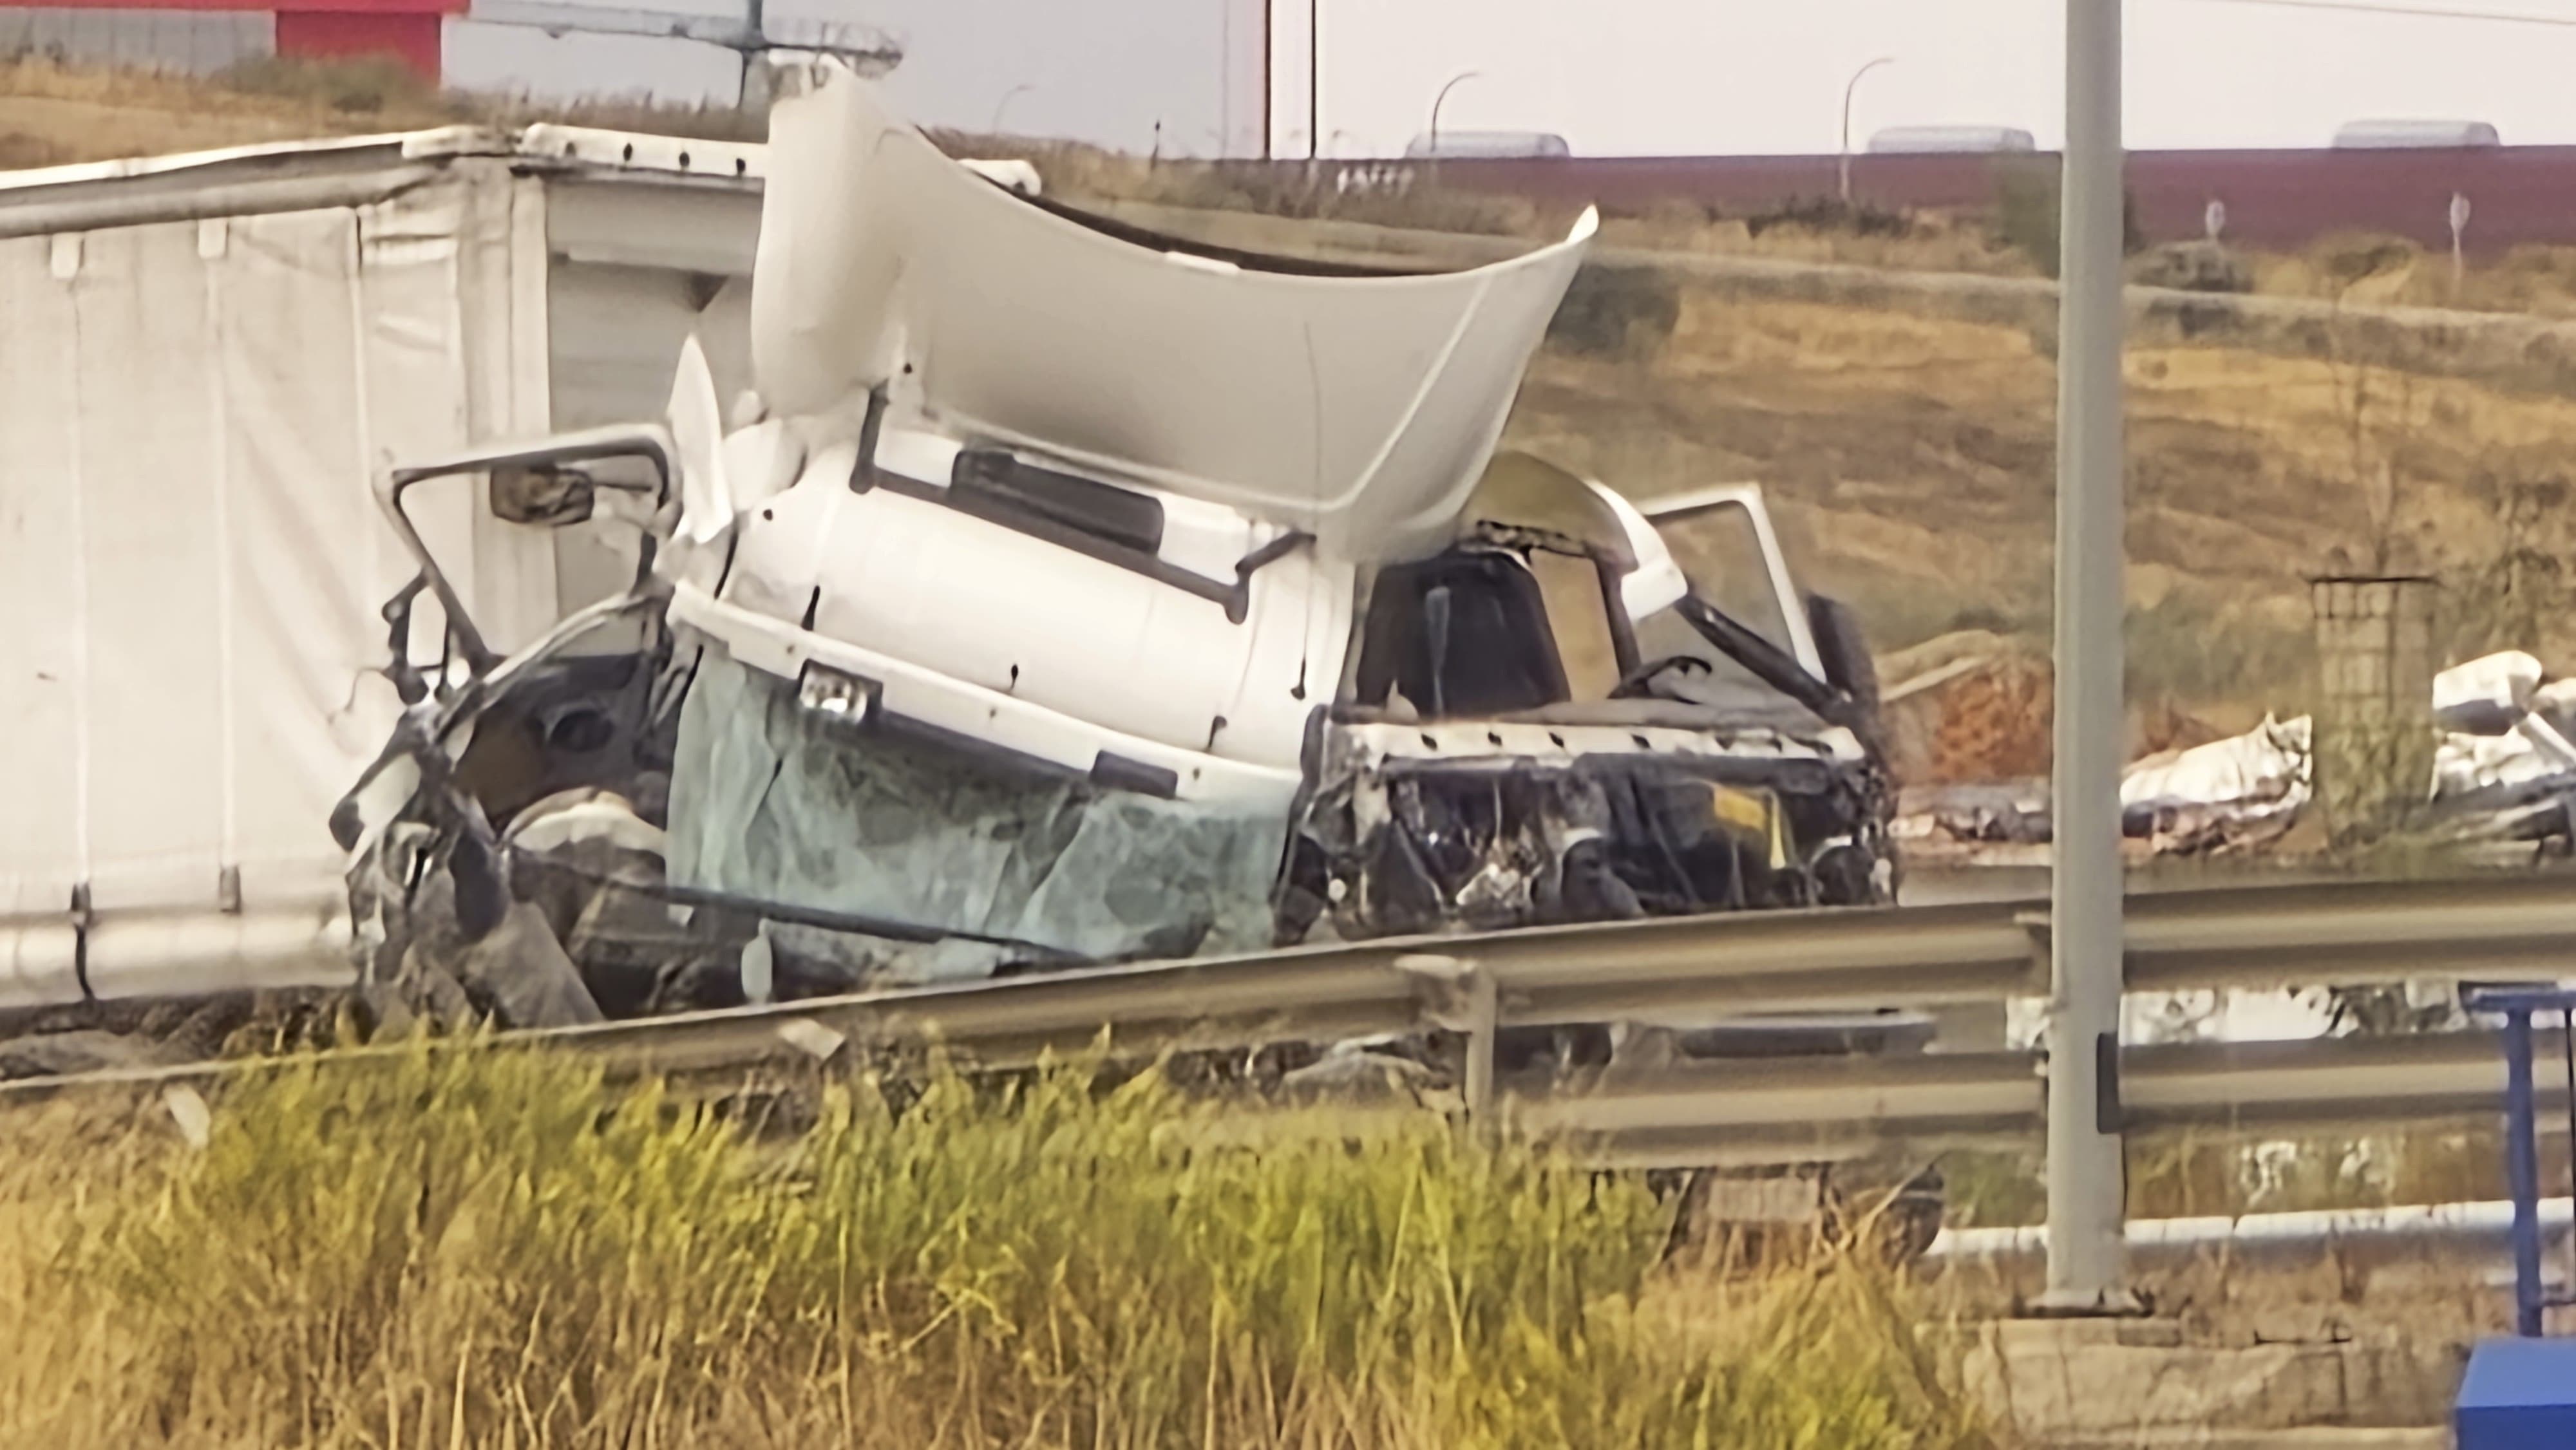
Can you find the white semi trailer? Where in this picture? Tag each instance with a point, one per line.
(205, 360)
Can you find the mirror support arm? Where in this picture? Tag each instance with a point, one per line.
(649, 442)
(479, 657)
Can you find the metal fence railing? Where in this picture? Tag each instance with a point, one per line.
(2532, 1300)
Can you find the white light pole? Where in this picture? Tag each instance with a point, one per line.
(1314, 80)
(1004, 103)
(2086, 1191)
(1848, 87)
(2459, 247)
(1441, 99)
(753, 94)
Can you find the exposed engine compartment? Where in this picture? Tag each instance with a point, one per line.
(1396, 847)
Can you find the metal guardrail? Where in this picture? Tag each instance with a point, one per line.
(1690, 970)
(2474, 1231)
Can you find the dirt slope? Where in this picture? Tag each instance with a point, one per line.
(1913, 458)
(50, 115)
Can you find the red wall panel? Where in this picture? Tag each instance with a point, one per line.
(413, 38)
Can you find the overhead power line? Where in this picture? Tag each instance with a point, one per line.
(2372, 7)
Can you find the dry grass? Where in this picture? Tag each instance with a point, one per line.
(53, 114)
(488, 1250)
(2391, 271)
(2205, 1174)
(1914, 243)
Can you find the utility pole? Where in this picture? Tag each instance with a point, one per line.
(2086, 1185)
(750, 34)
(1314, 79)
(2459, 215)
(1850, 86)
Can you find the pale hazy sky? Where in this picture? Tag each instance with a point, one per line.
(1736, 76)
(1644, 76)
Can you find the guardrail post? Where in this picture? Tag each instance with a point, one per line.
(1484, 1011)
(1466, 1000)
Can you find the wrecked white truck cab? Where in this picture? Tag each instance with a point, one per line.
(1058, 592)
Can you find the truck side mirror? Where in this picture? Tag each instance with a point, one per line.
(543, 494)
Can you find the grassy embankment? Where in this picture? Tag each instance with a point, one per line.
(494, 1251)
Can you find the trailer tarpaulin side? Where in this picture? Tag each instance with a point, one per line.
(191, 563)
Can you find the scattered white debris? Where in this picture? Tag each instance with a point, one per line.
(2225, 793)
(188, 1109)
(759, 971)
(811, 1038)
(2486, 687)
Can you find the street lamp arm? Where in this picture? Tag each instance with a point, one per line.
(1442, 99)
(1848, 88)
(1005, 102)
